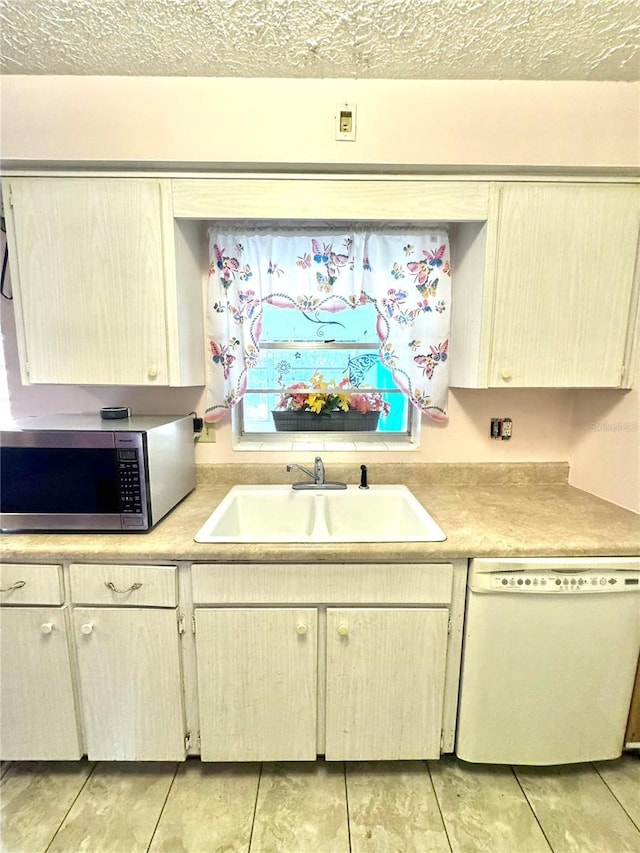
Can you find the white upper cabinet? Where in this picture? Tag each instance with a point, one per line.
(98, 297)
(108, 271)
(560, 288)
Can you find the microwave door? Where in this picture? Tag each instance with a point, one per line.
(58, 481)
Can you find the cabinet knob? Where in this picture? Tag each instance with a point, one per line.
(87, 628)
(152, 373)
(301, 628)
(343, 629)
(46, 627)
(505, 373)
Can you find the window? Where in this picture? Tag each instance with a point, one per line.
(356, 317)
(342, 348)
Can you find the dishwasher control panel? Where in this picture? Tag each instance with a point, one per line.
(558, 582)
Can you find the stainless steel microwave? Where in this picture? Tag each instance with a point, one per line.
(79, 472)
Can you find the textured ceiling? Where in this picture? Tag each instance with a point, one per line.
(394, 39)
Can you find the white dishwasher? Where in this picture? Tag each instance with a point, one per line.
(550, 654)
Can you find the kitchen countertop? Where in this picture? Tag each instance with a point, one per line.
(485, 510)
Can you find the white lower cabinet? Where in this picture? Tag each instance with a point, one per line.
(356, 662)
(38, 720)
(385, 683)
(257, 677)
(130, 683)
(248, 662)
(126, 627)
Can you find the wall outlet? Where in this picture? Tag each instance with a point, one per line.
(208, 434)
(501, 428)
(345, 123)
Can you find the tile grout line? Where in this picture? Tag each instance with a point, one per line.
(533, 811)
(68, 812)
(613, 794)
(170, 788)
(346, 799)
(435, 794)
(255, 807)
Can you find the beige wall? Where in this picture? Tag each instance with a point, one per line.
(605, 445)
(542, 424)
(404, 123)
(208, 120)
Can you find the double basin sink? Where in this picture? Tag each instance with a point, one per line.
(282, 514)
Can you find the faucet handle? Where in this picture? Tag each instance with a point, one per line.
(363, 477)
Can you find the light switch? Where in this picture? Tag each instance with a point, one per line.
(346, 123)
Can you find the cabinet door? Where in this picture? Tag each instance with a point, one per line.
(257, 683)
(38, 718)
(88, 271)
(385, 683)
(564, 280)
(130, 683)
(632, 736)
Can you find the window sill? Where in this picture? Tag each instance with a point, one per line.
(325, 446)
(337, 442)
(325, 442)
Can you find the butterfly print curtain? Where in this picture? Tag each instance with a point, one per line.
(405, 273)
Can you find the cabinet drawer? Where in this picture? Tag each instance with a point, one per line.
(29, 583)
(366, 583)
(123, 585)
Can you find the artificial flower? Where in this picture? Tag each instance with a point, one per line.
(323, 397)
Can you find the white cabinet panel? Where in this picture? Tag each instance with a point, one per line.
(564, 277)
(123, 585)
(38, 716)
(546, 294)
(257, 676)
(385, 683)
(93, 265)
(130, 683)
(29, 583)
(331, 583)
(319, 197)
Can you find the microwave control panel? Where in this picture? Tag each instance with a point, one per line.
(130, 484)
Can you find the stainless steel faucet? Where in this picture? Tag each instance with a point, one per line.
(317, 475)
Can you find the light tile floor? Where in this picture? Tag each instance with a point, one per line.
(399, 807)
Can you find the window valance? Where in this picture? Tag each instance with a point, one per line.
(405, 272)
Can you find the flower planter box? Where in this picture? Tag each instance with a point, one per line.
(301, 421)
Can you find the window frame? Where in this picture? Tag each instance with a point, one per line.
(336, 199)
(408, 439)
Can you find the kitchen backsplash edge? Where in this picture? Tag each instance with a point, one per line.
(439, 473)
